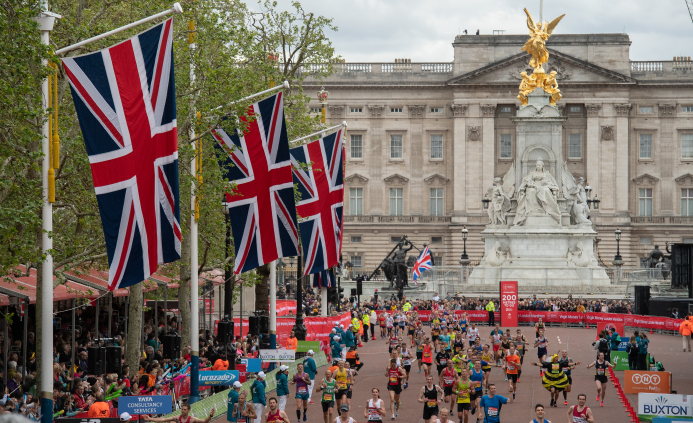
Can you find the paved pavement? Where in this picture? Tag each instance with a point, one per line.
(665, 348)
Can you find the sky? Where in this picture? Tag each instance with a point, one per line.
(423, 30)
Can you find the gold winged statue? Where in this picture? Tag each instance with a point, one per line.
(536, 46)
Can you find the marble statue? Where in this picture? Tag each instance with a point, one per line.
(574, 192)
(578, 257)
(537, 193)
(500, 195)
(498, 255)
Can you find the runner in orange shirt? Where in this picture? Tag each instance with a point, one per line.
(512, 365)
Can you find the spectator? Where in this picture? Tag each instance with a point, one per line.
(632, 350)
(99, 409)
(83, 362)
(685, 329)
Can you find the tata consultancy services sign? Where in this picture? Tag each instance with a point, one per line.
(636, 381)
(672, 406)
(218, 377)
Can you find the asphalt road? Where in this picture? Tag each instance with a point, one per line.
(665, 348)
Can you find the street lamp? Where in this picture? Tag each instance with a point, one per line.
(618, 260)
(322, 99)
(590, 200)
(464, 260)
(228, 274)
(486, 200)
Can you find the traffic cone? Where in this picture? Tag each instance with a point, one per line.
(587, 325)
(651, 331)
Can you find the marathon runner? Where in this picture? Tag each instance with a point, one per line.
(427, 357)
(520, 345)
(351, 381)
(477, 378)
(274, 414)
(458, 345)
(600, 377)
(554, 379)
(472, 333)
(568, 372)
(301, 379)
(392, 342)
(542, 344)
(496, 338)
(444, 416)
(419, 349)
(435, 333)
(430, 396)
(327, 386)
(381, 320)
(447, 379)
(512, 366)
(442, 359)
(394, 374)
(375, 407)
(242, 412)
(491, 405)
(344, 415)
(463, 391)
(539, 327)
(406, 362)
(539, 412)
(580, 413)
(340, 375)
(487, 359)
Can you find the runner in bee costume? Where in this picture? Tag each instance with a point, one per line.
(555, 380)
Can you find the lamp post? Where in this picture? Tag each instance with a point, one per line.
(464, 259)
(486, 201)
(299, 330)
(590, 200)
(228, 274)
(618, 260)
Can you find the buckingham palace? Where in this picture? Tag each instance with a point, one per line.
(426, 140)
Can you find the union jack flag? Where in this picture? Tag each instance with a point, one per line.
(422, 263)
(324, 279)
(125, 101)
(321, 188)
(262, 208)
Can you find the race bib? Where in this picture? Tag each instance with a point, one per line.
(511, 367)
(393, 380)
(477, 384)
(302, 390)
(555, 367)
(432, 403)
(341, 385)
(520, 347)
(427, 355)
(373, 415)
(407, 362)
(328, 397)
(448, 380)
(241, 420)
(443, 361)
(600, 372)
(492, 412)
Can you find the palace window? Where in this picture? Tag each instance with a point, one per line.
(315, 110)
(356, 239)
(645, 146)
(357, 146)
(436, 146)
(356, 110)
(437, 260)
(355, 201)
(396, 201)
(436, 201)
(395, 110)
(687, 146)
(436, 240)
(574, 146)
(687, 109)
(575, 109)
(506, 146)
(395, 146)
(506, 109)
(687, 202)
(395, 239)
(645, 241)
(646, 109)
(645, 202)
(436, 110)
(356, 261)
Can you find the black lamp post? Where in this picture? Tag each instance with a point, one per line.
(464, 259)
(486, 200)
(299, 329)
(618, 260)
(228, 274)
(590, 200)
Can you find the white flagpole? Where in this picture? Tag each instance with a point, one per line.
(176, 8)
(320, 132)
(267, 91)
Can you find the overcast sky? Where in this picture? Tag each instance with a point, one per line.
(423, 30)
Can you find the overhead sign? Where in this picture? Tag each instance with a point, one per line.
(219, 377)
(637, 381)
(671, 406)
(253, 365)
(146, 404)
(508, 303)
(277, 356)
(305, 346)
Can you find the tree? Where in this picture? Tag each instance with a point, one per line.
(134, 335)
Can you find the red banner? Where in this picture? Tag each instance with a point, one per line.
(620, 329)
(508, 303)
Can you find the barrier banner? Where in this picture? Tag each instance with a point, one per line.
(551, 316)
(277, 356)
(285, 307)
(637, 381)
(508, 303)
(253, 365)
(145, 404)
(620, 328)
(620, 360)
(672, 406)
(218, 377)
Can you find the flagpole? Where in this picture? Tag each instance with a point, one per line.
(176, 8)
(320, 132)
(273, 308)
(46, 21)
(194, 288)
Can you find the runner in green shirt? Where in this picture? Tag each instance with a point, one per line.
(327, 386)
(462, 391)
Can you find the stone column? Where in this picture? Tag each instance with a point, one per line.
(374, 202)
(622, 157)
(593, 146)
(488, 164)
(667, 153)
(459, 164)
(415, 153)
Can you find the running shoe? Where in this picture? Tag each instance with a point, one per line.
(506, 379)
(304, 417)
(518, 380)
(597, 397)
(474, 412)
(311, 402)
(393, 417)
(601, 403)
(419, 370)
(565, 402)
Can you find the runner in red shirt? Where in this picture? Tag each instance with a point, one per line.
(580, 413)
(448, 378)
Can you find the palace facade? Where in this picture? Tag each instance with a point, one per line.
(425, 141)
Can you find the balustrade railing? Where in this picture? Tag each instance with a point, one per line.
(397, 219)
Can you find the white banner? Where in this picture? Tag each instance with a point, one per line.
(277, 356)
(665, 405)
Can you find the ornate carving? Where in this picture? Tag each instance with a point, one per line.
(561, 110)
(336, 111)
(667, 109)
(375, 109)
(607, 133)
(578, 256)
(559, 67)
(474, 133)
(356, 178)
(623, 109)
(488, 110)
(396, 179)
(498, 255)
(458, 110)
(593, 109)
(436, 178)
(686, 179)
(539, 79)
(416, 110)
(645, 179)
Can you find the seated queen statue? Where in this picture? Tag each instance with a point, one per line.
(536, 193)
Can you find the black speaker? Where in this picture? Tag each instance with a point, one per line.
(253, 325)
(96, 360)
(171, 344)
(642, 300)
(353, 292)
(225, 332)
(114, 359)
(264, 324)
(359, 286)
(682, 267)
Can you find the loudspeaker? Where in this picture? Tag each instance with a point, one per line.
(353, 292)
(113, 359)
(682, 267)
(642, 300)
(225, 332)
(253, 325)
(171, 345)
(264, 324)
(359, 286)
(96, 360)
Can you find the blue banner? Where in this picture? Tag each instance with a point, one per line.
(218, 377)
(253, 365)
(146, 404)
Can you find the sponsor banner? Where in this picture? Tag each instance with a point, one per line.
(637, 381)
(242, 372)
(305, 346)
(508, 303)
(145, 404)
(620, 360)
(89, 420)
(550, 316)
(253, 365)
(277, 356)
(667, 405)
(620, 329)
(285, 307)
(218, 377)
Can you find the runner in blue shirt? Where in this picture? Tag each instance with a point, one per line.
(477, 380)
(491, 405)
